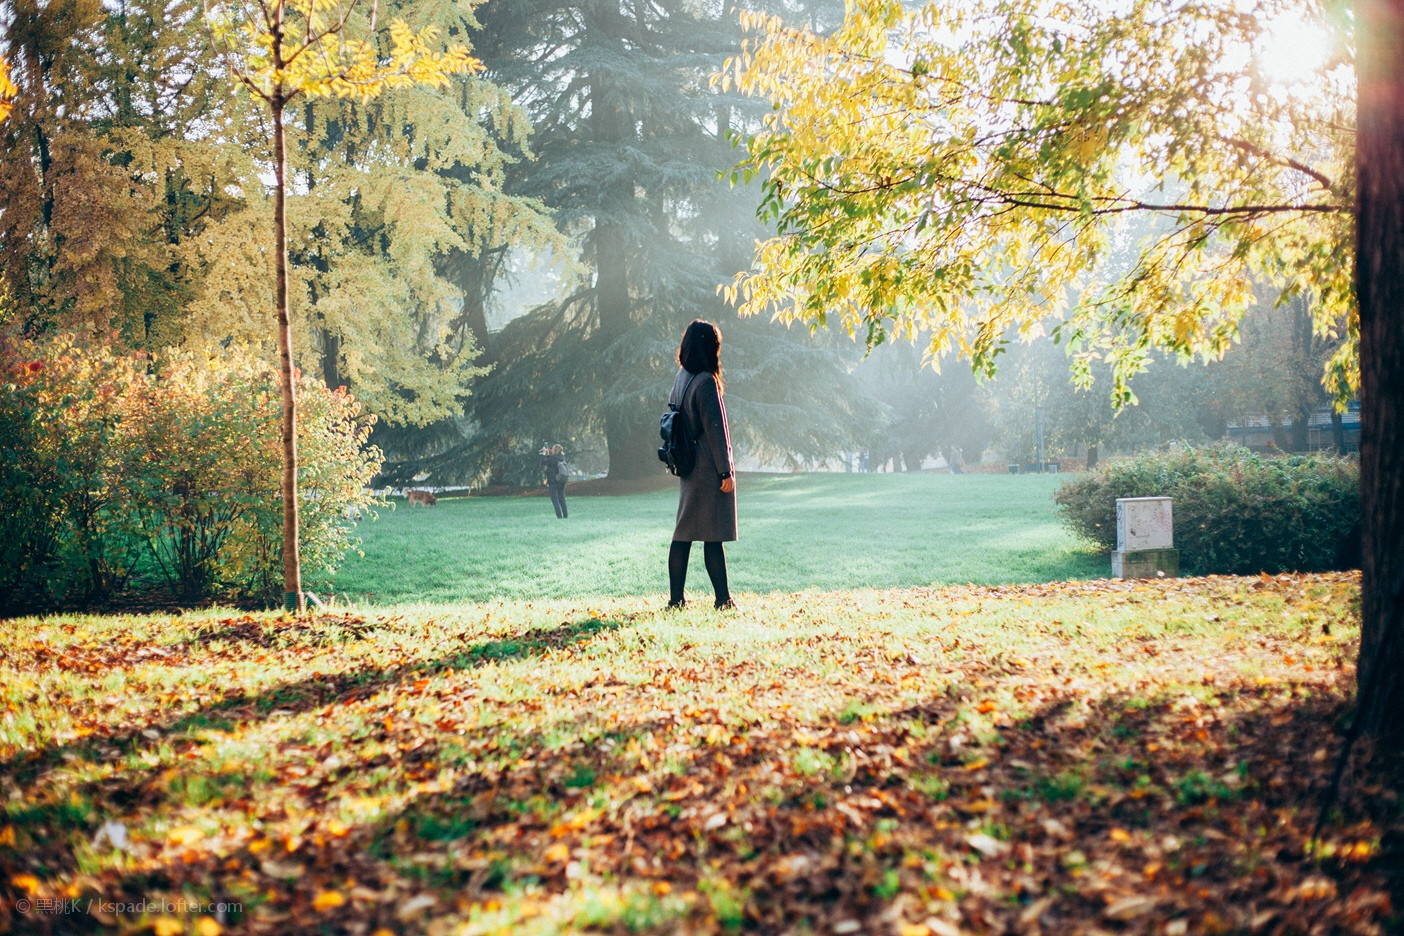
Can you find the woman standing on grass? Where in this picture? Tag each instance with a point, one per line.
(707, 498)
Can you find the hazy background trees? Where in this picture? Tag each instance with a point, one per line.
(631, 143)
(512, 260)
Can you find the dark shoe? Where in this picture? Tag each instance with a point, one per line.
(727, 605)
(675, 606)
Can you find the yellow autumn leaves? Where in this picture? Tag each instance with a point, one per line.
(966, 172)
(315, 56)
(7, 91)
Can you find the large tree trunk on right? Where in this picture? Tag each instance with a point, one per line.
(1380, 289)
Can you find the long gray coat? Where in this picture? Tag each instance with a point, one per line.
(704, 512)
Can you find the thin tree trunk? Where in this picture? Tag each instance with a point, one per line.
(292, 561)
(46, 179)
(1380, 288)
(1308, 390)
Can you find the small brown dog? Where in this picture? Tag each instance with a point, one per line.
(422, 498)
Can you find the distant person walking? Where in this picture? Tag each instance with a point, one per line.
(707, 496)
(553, 466)
(957, 460)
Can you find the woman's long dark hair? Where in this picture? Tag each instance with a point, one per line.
(700, 351)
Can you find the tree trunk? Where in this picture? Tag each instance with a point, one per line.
(292, 561)
(331, 357)
(1301, 431)
(630, 429)
(632, 441)
(1337, 432)
(472, 274)
(1379, 275)
(1091, 456)
(1307, 390)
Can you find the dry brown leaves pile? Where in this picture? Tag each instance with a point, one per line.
(611, 775)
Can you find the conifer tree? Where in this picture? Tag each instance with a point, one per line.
(630, 141)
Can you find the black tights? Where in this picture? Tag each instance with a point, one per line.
(715, 558)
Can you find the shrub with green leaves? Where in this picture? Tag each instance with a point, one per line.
(1235, 512)
(128, 468)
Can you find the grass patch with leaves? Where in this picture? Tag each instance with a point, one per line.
(1058, 758)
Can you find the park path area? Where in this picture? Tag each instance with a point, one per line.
(1084, 757)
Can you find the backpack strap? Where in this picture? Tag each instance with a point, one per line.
(683, 396)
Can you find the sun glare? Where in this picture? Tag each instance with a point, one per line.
(1292, 50)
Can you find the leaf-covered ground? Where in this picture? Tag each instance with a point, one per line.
(1087, 757)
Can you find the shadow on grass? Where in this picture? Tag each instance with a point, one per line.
(1116, 812)
(1044, 827)
(242, 708)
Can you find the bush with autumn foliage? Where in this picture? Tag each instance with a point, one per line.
(128, 472)
(1235, 511)
(65, 532)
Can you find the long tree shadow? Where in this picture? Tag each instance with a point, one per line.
(241, 708)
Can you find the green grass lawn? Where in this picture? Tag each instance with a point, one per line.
(805, 531)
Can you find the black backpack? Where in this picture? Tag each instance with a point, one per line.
(679, 448)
